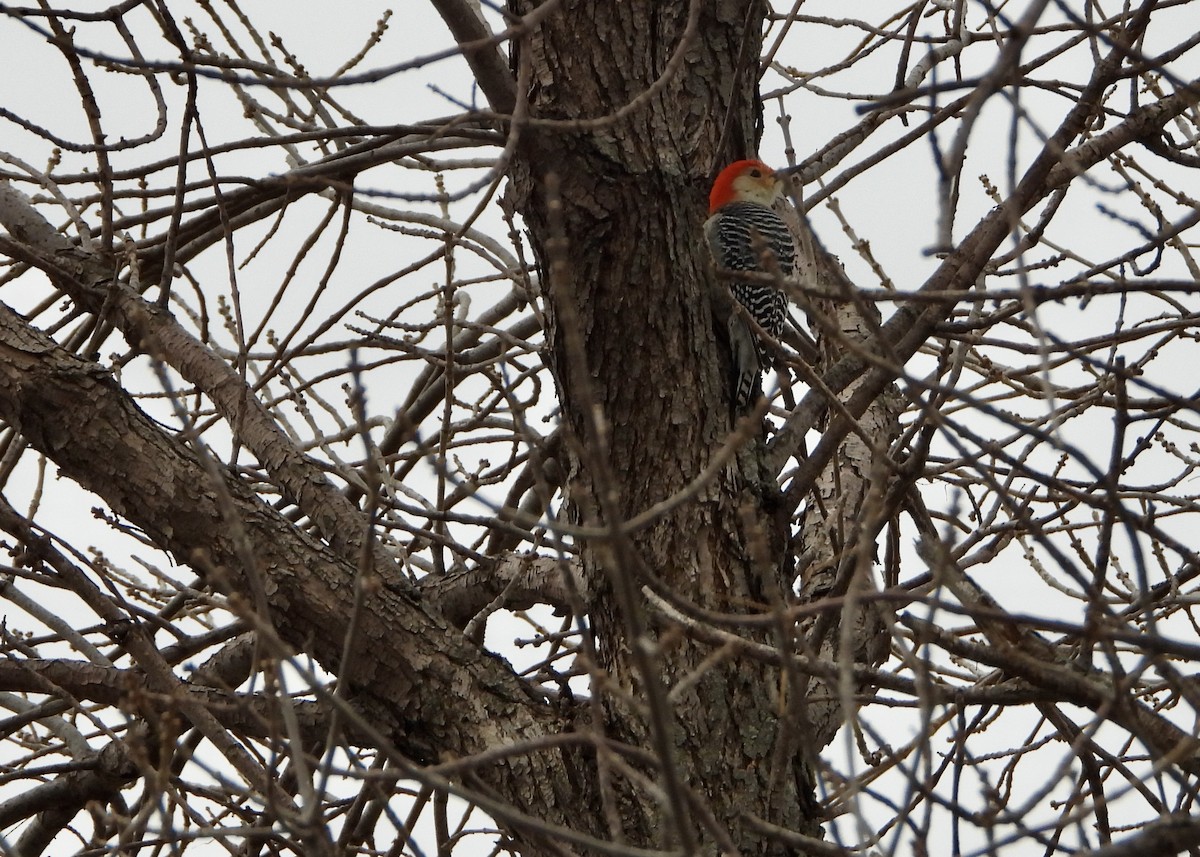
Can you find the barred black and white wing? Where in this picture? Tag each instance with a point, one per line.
(747, 236)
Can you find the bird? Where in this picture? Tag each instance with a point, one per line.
(746, 234)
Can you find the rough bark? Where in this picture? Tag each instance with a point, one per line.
(615, 209)
(415, 678)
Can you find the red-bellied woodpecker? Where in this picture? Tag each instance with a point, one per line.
(743, 233)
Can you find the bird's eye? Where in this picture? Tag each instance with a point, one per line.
(757, 174)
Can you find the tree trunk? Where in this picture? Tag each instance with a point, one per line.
(615, 210)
